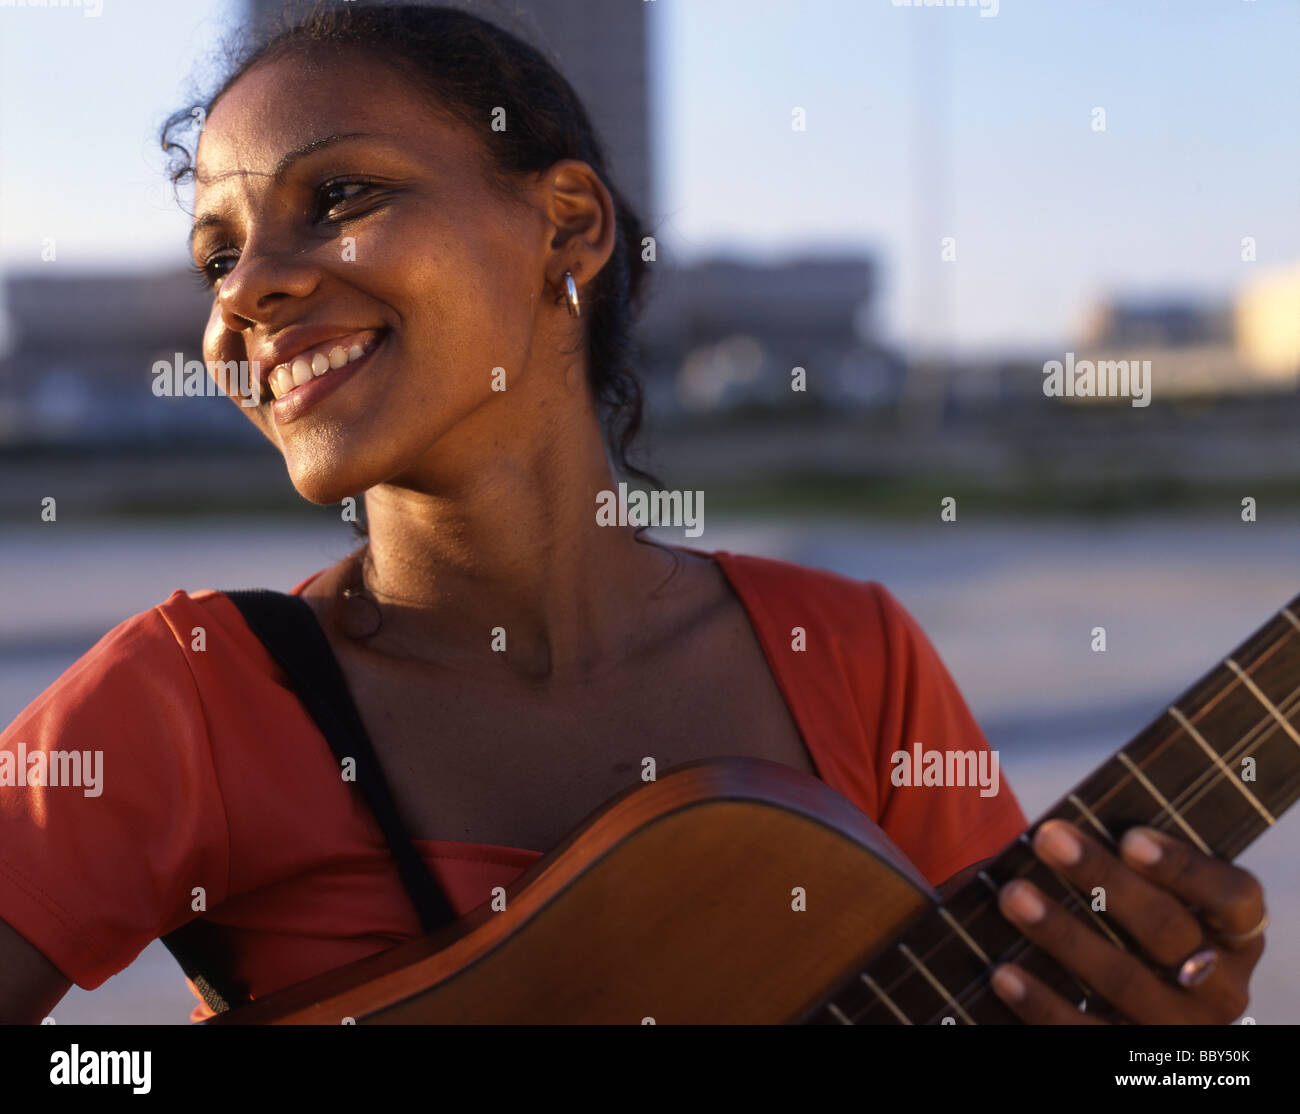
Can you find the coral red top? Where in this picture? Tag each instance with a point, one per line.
(219, 793)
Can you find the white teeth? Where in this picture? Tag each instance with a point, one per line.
(281, 381)
(286, 377)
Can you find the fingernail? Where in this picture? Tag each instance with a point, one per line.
(1021, 903)
(1139, 846)
(1008, 984)
(1058, 842)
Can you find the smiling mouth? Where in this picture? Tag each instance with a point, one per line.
(313, 363)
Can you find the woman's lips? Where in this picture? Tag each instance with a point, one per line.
(360, 347)
(320, 359)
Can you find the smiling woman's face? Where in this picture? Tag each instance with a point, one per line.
(382, 259)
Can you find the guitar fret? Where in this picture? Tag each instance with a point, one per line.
(1192, 733)
(1084, 904)
(949, 943)
(838, 1013)
(1255, 691)
(983, 922)
(879, 992)
(1291, 616)
(1245, 833)
(1025, 959)
(1166, 805)
(1088, 815)
(938, 986)
(965, 936)
(948, 962)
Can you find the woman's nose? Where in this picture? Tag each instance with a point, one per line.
(263, 280)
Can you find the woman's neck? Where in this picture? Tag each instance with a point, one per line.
(511, 543)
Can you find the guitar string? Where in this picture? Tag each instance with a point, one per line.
(1257, 735)
(980, 986)
(1260, 731)
(1268, 724)
(1020, 946)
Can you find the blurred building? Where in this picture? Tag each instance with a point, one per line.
(1266, 325)
(1246, 346)
(728, 333)
(83, 348)
(1156, 322)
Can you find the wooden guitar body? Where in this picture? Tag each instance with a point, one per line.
(728, 891)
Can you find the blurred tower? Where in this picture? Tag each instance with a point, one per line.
(600, 46)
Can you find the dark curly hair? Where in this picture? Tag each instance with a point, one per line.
(469, 67)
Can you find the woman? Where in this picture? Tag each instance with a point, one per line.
(405, 219)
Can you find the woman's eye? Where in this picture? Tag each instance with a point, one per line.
(212, 271)
(333, 194)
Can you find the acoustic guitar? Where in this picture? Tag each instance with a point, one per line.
(738, 890)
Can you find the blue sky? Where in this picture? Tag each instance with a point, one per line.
(921, 124)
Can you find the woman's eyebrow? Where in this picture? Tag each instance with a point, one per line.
(311, 147)
(202, 223)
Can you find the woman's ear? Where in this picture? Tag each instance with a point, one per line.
(581, 210)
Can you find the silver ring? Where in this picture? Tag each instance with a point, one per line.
(1197, 967)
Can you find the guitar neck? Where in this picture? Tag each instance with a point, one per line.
(1216, 768)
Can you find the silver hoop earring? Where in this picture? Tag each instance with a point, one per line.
(571, 293)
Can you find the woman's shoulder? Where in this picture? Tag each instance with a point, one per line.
(833, 601)
(188, 649)
(195, 621)
(130, 810)
(186, 622)
(838, 626)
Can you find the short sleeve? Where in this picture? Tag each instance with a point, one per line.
(112, 827)
(942, 797)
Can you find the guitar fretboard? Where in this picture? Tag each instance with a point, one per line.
(1217, 769)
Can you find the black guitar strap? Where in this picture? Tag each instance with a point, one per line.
(288, 628)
